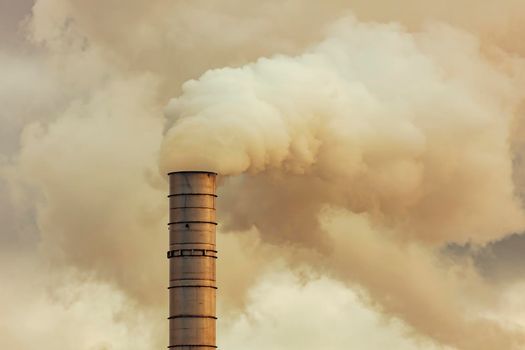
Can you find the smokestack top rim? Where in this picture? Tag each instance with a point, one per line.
(192, 172)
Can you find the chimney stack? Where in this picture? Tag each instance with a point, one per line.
(192, 256)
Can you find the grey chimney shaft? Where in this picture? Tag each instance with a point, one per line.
(192, 256)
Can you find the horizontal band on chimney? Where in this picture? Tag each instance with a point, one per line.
(192, 345)
(192, 222)
(193, 207)
(192, 286)
(191, 316)
(192, 279)
(192, 253)
(191, 194)
(192, 172)
(192, 243)
(193, 256)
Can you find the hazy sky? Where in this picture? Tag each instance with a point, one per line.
(370, 154)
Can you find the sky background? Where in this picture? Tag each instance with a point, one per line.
(371, 162)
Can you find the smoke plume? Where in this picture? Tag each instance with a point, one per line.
(357, 141)
(410, 129)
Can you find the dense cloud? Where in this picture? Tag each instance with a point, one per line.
(355, 149)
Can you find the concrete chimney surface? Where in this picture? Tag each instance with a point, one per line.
(192, 256)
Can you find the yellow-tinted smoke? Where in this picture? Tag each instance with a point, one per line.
(359, 152)
(411, 129)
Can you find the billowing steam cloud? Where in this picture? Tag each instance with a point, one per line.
(410, 130)
(380, 121)
(351, 161)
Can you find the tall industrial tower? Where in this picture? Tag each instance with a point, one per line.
(192, 256)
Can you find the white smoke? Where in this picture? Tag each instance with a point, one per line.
(358, 157)
(411, 129)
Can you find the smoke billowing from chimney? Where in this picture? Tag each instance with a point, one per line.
(356, 160)
(373, 148)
